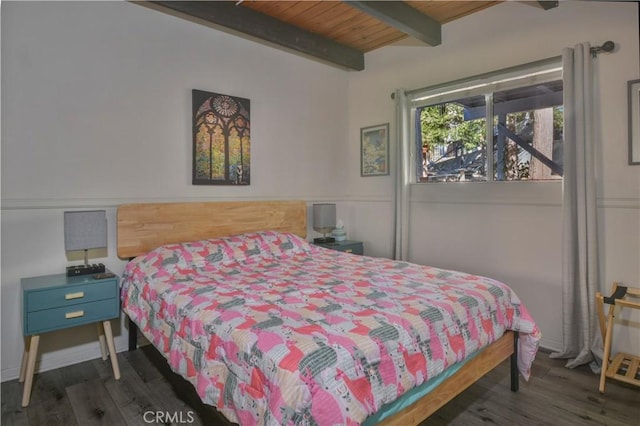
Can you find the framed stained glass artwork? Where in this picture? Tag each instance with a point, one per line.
(221, 139)
(374, 150)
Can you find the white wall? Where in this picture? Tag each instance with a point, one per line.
(507, 230)
(96, 112)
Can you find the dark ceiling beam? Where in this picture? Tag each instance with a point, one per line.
(244, 21)
(546, 5)
(404, 18)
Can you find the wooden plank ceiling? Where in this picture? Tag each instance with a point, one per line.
(343, 22)
(336, 32)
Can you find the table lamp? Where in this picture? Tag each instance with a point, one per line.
(324, 221)
(85, 230)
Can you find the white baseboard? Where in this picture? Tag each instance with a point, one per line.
(65, 358)
(75, 356)
(551, 345)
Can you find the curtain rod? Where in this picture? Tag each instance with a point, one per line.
(607, 46)
(488, 75)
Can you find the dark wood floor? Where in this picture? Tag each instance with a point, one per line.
(86, 394)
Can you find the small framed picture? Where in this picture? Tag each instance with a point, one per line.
(634, 122)
(374, 150)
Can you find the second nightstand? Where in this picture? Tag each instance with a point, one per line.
(346, 246)
(56, 302)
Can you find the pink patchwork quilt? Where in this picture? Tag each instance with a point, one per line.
(273, 330)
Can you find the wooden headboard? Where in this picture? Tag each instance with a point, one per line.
(143, 227)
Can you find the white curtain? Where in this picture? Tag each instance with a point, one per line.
(402, 178)
(580, 248)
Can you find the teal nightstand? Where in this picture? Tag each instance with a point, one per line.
(346, 246)
(56, 302)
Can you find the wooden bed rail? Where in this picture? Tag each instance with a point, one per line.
(489, 358)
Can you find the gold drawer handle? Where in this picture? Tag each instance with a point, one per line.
(75, 314)
(348, 251)
(77, 295)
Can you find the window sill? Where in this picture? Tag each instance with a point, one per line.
(538, 193)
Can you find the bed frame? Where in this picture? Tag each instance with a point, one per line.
(143, 227)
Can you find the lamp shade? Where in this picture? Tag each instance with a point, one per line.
(324, 217)
(84, 230)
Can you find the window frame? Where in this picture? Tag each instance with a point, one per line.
(484, 84)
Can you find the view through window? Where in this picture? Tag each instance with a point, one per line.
(526, 122)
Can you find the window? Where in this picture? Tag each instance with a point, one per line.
(523, 141)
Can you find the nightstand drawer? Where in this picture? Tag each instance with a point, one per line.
(347, 246)
(70, 295)
(70, 316)
(355, 248)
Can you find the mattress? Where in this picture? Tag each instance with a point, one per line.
(273, 330)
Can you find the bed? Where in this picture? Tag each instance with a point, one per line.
(271, 329)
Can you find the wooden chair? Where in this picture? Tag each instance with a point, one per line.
(623, 367)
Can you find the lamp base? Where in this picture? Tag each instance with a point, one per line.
(73, 271)
(324, 240)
